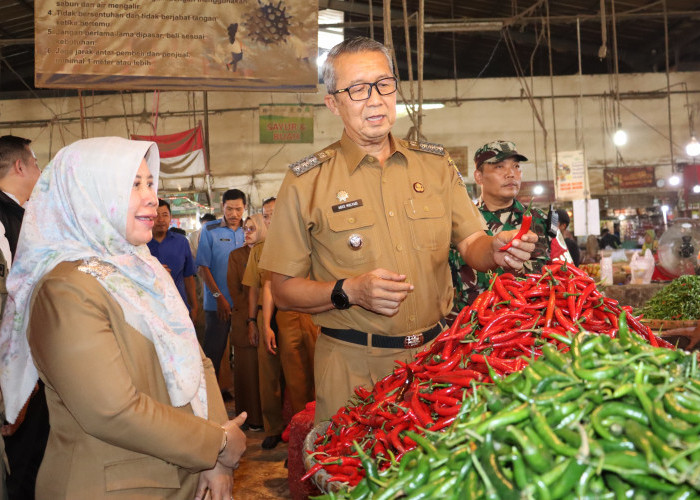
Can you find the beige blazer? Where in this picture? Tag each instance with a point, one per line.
(114, 433)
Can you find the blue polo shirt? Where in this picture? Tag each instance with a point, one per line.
(216, 242)
(174, 251)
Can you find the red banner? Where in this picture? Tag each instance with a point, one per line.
(181, 154)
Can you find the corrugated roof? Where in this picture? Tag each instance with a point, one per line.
(470, 38)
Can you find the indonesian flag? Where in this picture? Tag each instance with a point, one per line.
(181, 154)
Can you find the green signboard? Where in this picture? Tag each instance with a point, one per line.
(283, 123)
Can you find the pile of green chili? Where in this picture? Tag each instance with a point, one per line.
(610, 419)
(679, 300)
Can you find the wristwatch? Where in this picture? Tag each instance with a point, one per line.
(216, 295)
(339, 298)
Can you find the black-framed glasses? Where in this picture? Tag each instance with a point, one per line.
(363, 91)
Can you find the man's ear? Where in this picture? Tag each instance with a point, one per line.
(478, 176)
(17, 167)
(329, 99)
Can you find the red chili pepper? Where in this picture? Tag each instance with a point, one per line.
(442, 423)
(502, 365)
(524, 228)
(501, 290)
(313, 470)
(564, 321)
(550, 308)
(571, 299)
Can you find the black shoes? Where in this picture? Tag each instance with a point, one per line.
(271, 441)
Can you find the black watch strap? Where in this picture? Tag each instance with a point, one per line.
(339, 298)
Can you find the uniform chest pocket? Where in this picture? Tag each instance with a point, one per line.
(352, 237)
(429, 226)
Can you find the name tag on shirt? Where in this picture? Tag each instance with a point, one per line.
(224, 239)
(347, 206)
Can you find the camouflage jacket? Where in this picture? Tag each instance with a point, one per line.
(468, 284)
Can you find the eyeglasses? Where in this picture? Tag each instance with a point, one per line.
(363, 91)
(249, 229)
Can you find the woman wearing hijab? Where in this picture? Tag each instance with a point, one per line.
(650, 241)
(245, 354)
(134, 406)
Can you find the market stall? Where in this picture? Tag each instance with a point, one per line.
(543, 387)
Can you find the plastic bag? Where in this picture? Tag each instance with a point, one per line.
(619, 255)
(606, 270)
(642, 268)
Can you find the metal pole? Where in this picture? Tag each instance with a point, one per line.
(206, 147)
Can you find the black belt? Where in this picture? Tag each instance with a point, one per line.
(408, 342)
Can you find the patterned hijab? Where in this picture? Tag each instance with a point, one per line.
(78, 211)
(260, 227)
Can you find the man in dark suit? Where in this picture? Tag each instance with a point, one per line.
(25, 440)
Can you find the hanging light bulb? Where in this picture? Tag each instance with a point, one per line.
(696, 188)
(693, 147)
(620, 137)
(538, 190)
(674, 180)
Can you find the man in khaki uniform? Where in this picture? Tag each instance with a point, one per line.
(370, 220)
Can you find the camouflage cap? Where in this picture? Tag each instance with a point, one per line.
(496, 151)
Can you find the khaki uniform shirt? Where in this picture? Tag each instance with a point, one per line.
(255, 276)
(340, 214)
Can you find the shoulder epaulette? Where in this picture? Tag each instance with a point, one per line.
(213, 224)
(426, 147)
(305, 164)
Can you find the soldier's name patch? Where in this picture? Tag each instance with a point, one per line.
(347, 206)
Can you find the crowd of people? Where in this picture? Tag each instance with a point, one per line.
(370, 247)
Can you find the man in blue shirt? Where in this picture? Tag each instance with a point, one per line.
(173, 251)
(218, 239)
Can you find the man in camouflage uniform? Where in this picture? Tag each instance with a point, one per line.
(499, 175)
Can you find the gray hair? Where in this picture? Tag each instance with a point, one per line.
(351, 46)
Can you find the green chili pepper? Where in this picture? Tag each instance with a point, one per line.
(564, 486)
(500, 483)
(651, 483)
(548, 435)
(503, 418)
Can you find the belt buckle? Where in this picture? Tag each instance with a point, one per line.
(411, 341)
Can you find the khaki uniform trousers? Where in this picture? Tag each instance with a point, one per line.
(341, 366)
(296, 342)
(270, 375)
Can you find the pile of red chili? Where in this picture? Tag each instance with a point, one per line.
(501, 331)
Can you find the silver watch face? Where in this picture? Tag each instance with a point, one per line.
(216, 295)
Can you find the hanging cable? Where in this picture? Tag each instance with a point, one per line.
(421, 54)
(551, 84)
(668, 86)
(82, 114)
(454, 51)
(521, 76)
(154, 113)
(371, 20)
(580, 136)
(409, 58)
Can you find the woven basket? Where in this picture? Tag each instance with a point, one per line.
(665, 325)
(321, 477)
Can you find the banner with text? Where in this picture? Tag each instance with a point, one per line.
(629, 178)
(570, 174)
(280, 123)
(177, 44)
